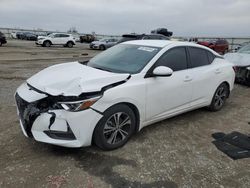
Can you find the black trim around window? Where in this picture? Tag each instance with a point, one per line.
(150, 71)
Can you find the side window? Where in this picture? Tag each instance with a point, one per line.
(198, 57)
(146, 38)
(63, 35)
(175, 58)
(211, 57)
(57, 35)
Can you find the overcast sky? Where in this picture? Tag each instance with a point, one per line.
(184, 17)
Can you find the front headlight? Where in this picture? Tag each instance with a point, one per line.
(79, 105)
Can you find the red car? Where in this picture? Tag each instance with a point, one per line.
(221, 46)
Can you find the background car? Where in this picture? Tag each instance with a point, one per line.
(241, 60)
(29, 36)
(2, 39)
(121, 90)
(20, 35)
(129, 37)
(88, 38)
(13, 35)
(221, 45)
(67, 40)
(163, 31)
(103, 44)
(239, 46)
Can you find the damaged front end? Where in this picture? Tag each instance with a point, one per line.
(61, 120)
(243, 75)
(29, 112)
(48, 108)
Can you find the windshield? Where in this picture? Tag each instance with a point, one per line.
(124, 58)
(245, 49)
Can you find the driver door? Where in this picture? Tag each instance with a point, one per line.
(166, 96)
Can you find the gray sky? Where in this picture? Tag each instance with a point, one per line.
(228, 18)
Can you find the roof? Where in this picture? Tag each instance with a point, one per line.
(164, 43)
(154, 43)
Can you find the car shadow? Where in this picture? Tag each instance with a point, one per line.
(96, 163)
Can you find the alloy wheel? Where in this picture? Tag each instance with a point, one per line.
(220, 97)
(117, 128)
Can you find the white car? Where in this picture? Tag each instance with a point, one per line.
(103, 44)
(120, 91)
(67, 40)
(241, 61)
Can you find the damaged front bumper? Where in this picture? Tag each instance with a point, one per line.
(243, 75)
(44, 120)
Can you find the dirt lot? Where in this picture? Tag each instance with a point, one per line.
(173, 153)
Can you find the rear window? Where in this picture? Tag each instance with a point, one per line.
(198, 57)
(211, 57)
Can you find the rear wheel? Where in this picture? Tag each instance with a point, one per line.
(219, 98)
(115, 128)
(70, 44)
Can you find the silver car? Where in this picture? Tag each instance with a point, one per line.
(103, 44)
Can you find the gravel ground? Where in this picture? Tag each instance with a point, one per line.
(173, 153)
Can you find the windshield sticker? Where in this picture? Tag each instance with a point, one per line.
(148, 49)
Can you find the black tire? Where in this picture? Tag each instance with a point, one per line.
(69, 44)
(102, 47)
(46, 43)
(0, 43)
(220, 96)
(107, 134)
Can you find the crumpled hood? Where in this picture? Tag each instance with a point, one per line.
(73, 79)
(238, 59)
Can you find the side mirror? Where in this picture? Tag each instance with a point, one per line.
(162, 71)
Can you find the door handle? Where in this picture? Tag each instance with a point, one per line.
(187, 79)
(217, 71)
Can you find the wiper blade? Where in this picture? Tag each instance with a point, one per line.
(102, 69)
(83, 62)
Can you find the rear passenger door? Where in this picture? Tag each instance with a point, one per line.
(56, 39)
(64, 38)
(203, 74)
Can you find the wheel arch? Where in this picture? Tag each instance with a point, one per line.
(136, 112)
(71, 41)
(132, 107)
(228, 85)
(47, 40)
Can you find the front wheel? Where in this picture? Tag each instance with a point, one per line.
(219, 98)
(102, 47)
(115, 128)
(46, 44)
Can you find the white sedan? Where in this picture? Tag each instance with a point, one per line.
(117, 93)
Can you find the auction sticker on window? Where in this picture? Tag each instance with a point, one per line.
(148, 49)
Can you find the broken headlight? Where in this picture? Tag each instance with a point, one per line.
(79, 105)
